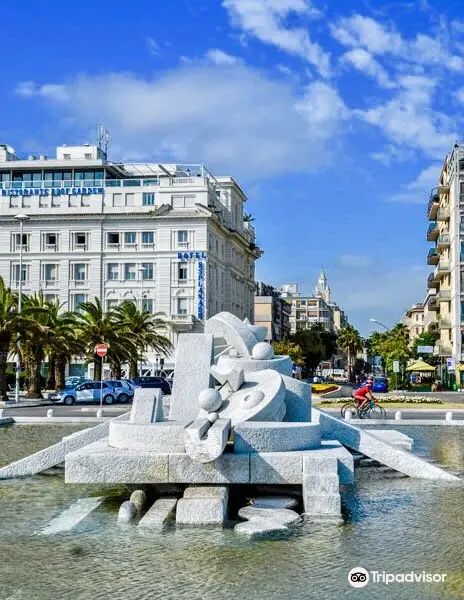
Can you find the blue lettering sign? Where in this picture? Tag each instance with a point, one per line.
(51, 191)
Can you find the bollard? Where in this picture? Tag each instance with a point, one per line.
(398, 416)
(49, 413)
(449, 416)
(99, 413)
(348, 415)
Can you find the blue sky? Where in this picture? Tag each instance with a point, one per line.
(334, 117)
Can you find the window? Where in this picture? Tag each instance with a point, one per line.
(148, 199)
(80, 240)
(182, 306)
(113, 271)
(50, 272)
(147, 272)
(66, 156)
(112, 239)
(182, 272)
(130, 237)
(18, 241)
(129, 271)
(130, 199)
(51, 241)
(50, 298)
(15, 273)
(79, 272)
(182, 238)
(112, 303)
(88, 156)
(148, 305)
(77, 300)
(148, 237)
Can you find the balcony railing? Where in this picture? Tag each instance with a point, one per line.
(443, 268)
(432, 207)
(432, 281)
(443, 214)
(443, 349)
(128, 182)
(432, 232)
(49, 283)
(444, 323)
(444, 240)
(444, 296)
(432, 257)
(79, 283)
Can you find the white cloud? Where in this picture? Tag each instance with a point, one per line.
(408, 119)
(364, 32)
(230, 116)
(355, 261)
(218, 57)
(265, 20)
(363, 61)
(417, 191)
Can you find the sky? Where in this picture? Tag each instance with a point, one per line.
(334, 117)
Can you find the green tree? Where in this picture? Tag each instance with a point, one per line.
(350, 342)
(392, 345)
(8, 326)
(317, 345)
(143, 330)
(95, 326)
(285, 347)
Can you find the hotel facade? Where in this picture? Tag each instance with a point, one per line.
(171, 237)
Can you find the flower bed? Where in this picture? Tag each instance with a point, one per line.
(399, 399)
(323, 388)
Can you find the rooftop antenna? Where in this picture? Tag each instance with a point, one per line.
(103, 137)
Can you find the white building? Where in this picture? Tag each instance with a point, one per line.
(172, 235)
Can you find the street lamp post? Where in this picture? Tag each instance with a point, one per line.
(21, 219)
(141, 271)
(379, 323)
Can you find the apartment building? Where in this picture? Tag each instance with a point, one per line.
(319, 308)
(272, 311)
(414, 321)
(445, 211)
(172, 237)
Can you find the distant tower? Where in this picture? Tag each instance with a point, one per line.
(322, 287)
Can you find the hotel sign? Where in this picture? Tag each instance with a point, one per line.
(191, 255)
(52, 191)
(201, 291)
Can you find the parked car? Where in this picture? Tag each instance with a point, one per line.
(380, 385)
(89, 391)
(75, 380)
(153, 382)
(124, 390)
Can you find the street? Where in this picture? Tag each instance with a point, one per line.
(60, 410)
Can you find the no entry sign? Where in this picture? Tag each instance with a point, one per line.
(101, 350)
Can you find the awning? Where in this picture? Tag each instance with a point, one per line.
(421, 366)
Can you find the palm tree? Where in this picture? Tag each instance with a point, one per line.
(350, 342)
(35, 331)
(8, 325)
(62, 344)
(143, 330)
(94, 326)
(248, 218)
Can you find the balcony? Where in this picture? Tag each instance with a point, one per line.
(443, 349)
(111, 246)
(444, 241)
(51, 247)
(432, 281)
(444, 296)
(48, 283)
(443, 214)
(432, 207)
(183, 321)
(433, 257)
(444, 323)
(443, 268)
(79, 283)
(432, 232)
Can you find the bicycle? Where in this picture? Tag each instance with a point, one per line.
(372, 410)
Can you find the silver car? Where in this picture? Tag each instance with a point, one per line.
(89, 391)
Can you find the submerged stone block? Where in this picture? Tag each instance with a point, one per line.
(159, 514)
(203, 506)
(256, 436)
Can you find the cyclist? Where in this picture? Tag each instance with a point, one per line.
(364, 394)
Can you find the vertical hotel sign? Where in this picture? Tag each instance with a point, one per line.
(201, 257)
(201, 290)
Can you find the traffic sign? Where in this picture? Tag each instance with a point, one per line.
(424, 349)
(101, 350)
(396, 366)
